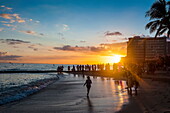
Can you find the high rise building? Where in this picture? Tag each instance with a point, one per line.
(146, 49)
(168, 48)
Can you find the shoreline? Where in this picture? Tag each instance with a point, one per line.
(18, 93)
(116, 75)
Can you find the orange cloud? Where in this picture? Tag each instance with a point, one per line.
(20, 21)
(7, 8)
(12, 17)
(9, 25)
(6, 16)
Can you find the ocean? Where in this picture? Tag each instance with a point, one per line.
(15, 86)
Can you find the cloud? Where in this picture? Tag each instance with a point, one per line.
(70, 48)
(31, 20)
(11, 21)
(20, 21)
(80, 49)
(102, 49)
(14, 20)
(112, 45)
(13, 41)
(1, 29)
(65, 27)
(41, 34)
(3, 53)
(30, 32)
(37, 21)
(6, 16)
(12, 17)
(113, 33)
(6, 8)
(4, 56)
(82, 41)
(10, 57)
(2, 6)
(33, 48)
(9, 25)
(16, 16)
(4, 22)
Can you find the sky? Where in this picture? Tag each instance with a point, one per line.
(69, 31)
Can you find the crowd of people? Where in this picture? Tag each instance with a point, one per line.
(93, 67)
(60, 69)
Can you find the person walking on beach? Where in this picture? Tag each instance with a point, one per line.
(136, 85)
(129, 82)
(88, 85)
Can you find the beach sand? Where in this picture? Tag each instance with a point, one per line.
(155, 96)
(69, 96)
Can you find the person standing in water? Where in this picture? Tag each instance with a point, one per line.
(88, 85)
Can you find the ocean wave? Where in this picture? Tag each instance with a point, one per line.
(16, 93)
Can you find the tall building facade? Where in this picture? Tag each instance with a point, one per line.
(145, 49)
(168, 48)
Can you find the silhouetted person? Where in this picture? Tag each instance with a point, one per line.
(88, 85)
(68, 68)
(129, 82)
(136, 85)
(73, 69)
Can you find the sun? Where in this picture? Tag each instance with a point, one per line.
(113, 59)
(116, 58)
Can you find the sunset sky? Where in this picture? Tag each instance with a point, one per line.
(69, 31)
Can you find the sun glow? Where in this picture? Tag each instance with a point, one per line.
(113, 59)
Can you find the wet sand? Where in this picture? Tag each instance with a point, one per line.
(153, 95)
(69, 96)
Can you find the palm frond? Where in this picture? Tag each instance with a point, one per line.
(160, 13)
(148, 25)
(157, 10)
(158, 30)
(153, 25)
(163, 30)
(168, 3)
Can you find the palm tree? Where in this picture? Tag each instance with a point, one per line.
(159, 13)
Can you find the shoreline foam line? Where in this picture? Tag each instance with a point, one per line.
(25, 90)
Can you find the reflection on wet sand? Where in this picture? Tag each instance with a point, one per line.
(106, 92)
(90, 105)
(119, 92)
